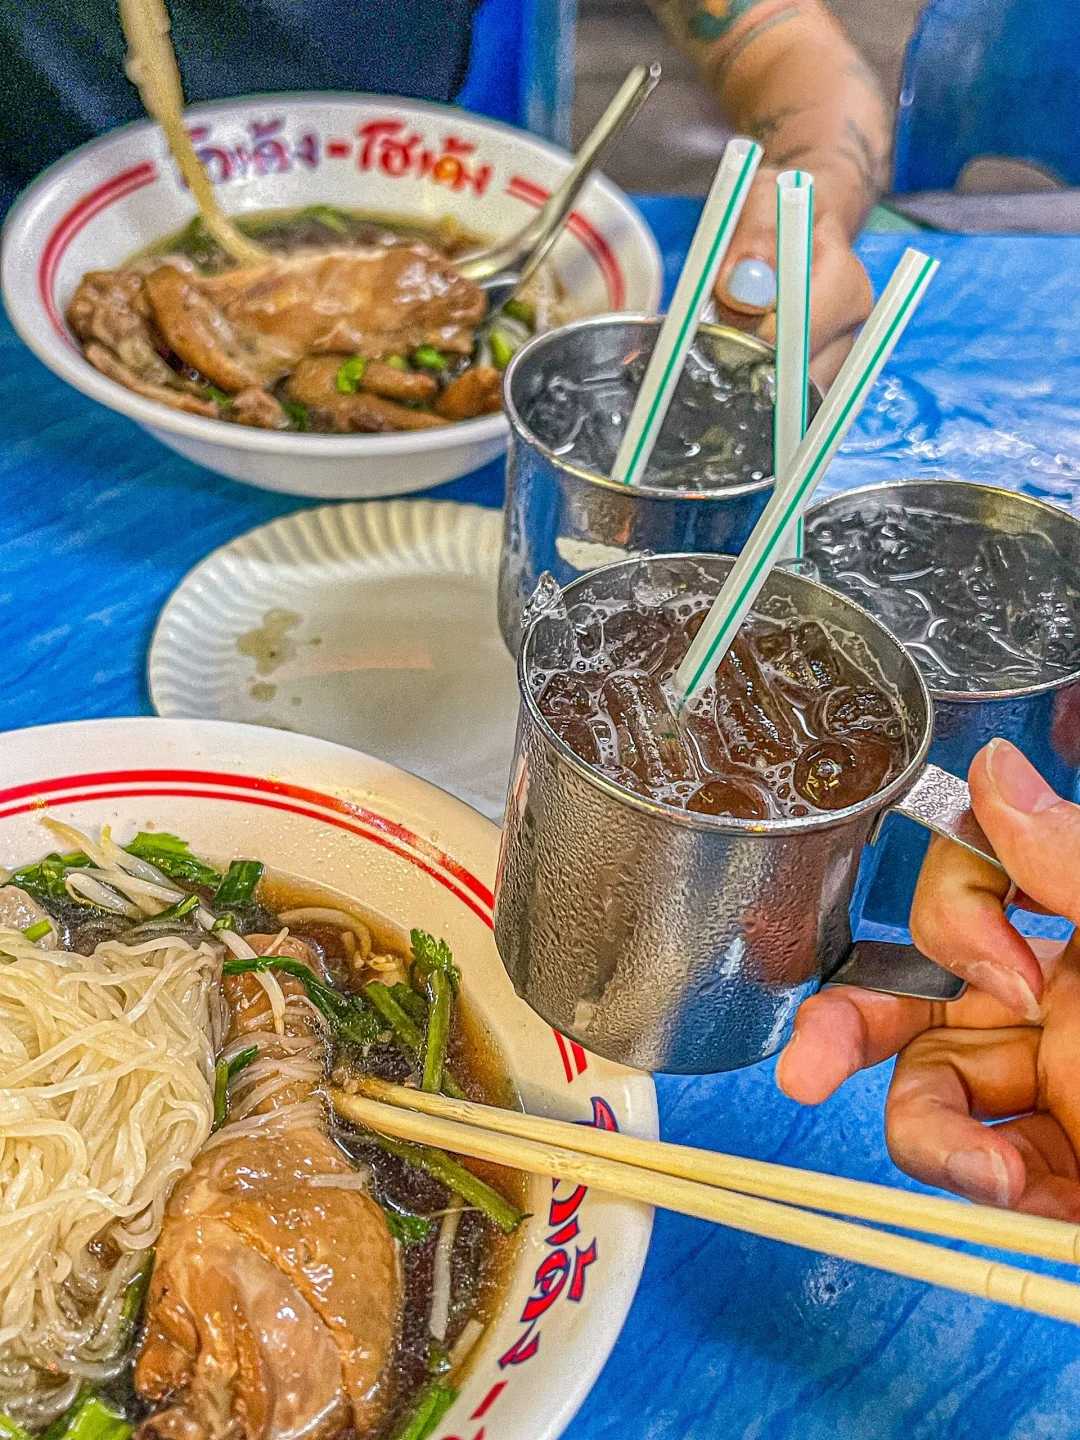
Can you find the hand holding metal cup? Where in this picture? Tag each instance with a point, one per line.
(682, 941)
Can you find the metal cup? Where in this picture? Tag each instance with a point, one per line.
(682, 942)
(1042, 720)
(567, 520)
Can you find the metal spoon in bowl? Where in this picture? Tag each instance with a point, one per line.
(506, 267)
(151, 66)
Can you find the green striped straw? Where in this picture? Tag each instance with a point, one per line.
(795, 486)
(712, 237)
(794, 251)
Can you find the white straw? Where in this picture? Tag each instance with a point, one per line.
(831, 423)
(794, 250)
(707, 250)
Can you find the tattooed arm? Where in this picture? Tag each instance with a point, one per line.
(785, 72)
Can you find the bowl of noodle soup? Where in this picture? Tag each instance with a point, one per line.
(202, 927)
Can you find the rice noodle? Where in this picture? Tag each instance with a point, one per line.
(106, 1095)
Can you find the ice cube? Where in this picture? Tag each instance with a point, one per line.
(755, 723)
(636, 639)
(724, 795)
(564, 696)
(649, 742)
(836, 773)
(852, 708)
(803, 655)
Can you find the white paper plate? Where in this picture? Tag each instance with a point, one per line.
(370, 624)
(326, 814)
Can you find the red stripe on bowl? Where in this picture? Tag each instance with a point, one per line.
(80, 215)
(595, 243)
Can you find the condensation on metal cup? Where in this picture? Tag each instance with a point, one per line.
(566, 520)
(681, 942)
(1041, 720)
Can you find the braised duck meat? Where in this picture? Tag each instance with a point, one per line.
(274, 1304)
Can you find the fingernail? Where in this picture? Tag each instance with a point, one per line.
(980, 1175)
(1018, 784)
(1007, 986)
(753, 283)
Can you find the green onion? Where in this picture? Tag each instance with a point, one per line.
(242, 1059)
(38, 930)
(502, 349)
(11, 1430)
(328, 216)
(429, 1407)
(173, 857)
(351, 1020)
(178, 911)
(455, 1177)
(522, 310)
(428, 358)
(238, 887)
(219, 397)
(224, 922)
(299, 415)
(349, 375)
(407, 1228)
(88, 1419)
(396, 362)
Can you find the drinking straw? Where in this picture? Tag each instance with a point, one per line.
(831, 423)
(707, 250)
(794, 251)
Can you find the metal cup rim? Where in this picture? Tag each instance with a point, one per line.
(730, 825)
(1055, 512)
(652, 492)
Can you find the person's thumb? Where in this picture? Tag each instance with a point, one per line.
(1034, 832)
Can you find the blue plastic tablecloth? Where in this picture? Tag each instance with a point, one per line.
(730, 1336)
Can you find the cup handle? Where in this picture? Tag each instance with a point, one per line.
(941, 802)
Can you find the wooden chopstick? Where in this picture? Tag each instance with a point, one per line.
(808, 1189)
(899, 1255)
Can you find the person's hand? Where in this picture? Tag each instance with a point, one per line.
(745, 291)
(1007, 1050)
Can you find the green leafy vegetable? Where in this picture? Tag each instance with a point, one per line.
(414, 1005)
(405, 1030)
(238, 887)
(224, 922)
(136, 1294)
(521, 310)
(45, 880)
(407, 1228)
(438, 1360)
(226, 1071)
(502, 349)
(88, 1419)
(396, 362)
(37, 931)
(349, 375)
(222, 400)
(328, 216)
(178, 911)
(10, 1430)
(428, 358)
(351, 1020)
(433, 966)
(426, 1411)
(173, 857)
(299, 415)
(440, 1166)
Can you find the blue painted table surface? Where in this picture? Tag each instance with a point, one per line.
(730, 1336)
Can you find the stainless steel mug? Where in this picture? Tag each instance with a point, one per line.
(683, 942)
(566, 520)
(1042, 720)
